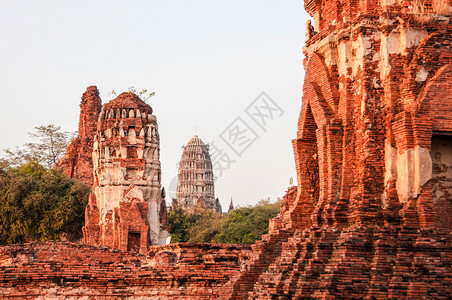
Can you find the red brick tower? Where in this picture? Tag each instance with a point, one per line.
(126, 209)
(77, 161)
(372, 215)
(376, 118)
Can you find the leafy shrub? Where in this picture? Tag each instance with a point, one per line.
(243, 225)
(40, 204)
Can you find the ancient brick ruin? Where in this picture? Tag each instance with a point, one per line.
(117, 152)
(126, 209)
(371, 216)
(69, 271)
(77, 161)
(195, 179)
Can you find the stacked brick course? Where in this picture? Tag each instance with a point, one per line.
(70, 271)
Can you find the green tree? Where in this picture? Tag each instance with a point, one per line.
(50, 146)
(205, 228)
(180, 222)
(245, 225)
(40, 204)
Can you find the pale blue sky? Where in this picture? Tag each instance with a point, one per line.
(206, 61)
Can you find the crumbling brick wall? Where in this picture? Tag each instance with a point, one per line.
(77, 161)
(67, 270)
(126, 209)
(372, 215)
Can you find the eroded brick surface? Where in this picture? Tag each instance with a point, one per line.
(126, 209)
(62, 270)
(372, 215)
(77, 161)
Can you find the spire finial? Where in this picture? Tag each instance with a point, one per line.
(231, 206)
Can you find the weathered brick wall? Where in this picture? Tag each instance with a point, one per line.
(64, 270)
(77, 161)
(375, 220)
(126, 208)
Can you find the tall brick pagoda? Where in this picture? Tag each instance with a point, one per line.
(372, 215)
(126, 209)
(195, 181)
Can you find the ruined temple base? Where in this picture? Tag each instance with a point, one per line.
(63, 270)
(356, 262)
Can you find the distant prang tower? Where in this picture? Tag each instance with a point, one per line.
(126, 209)
(195, 181)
